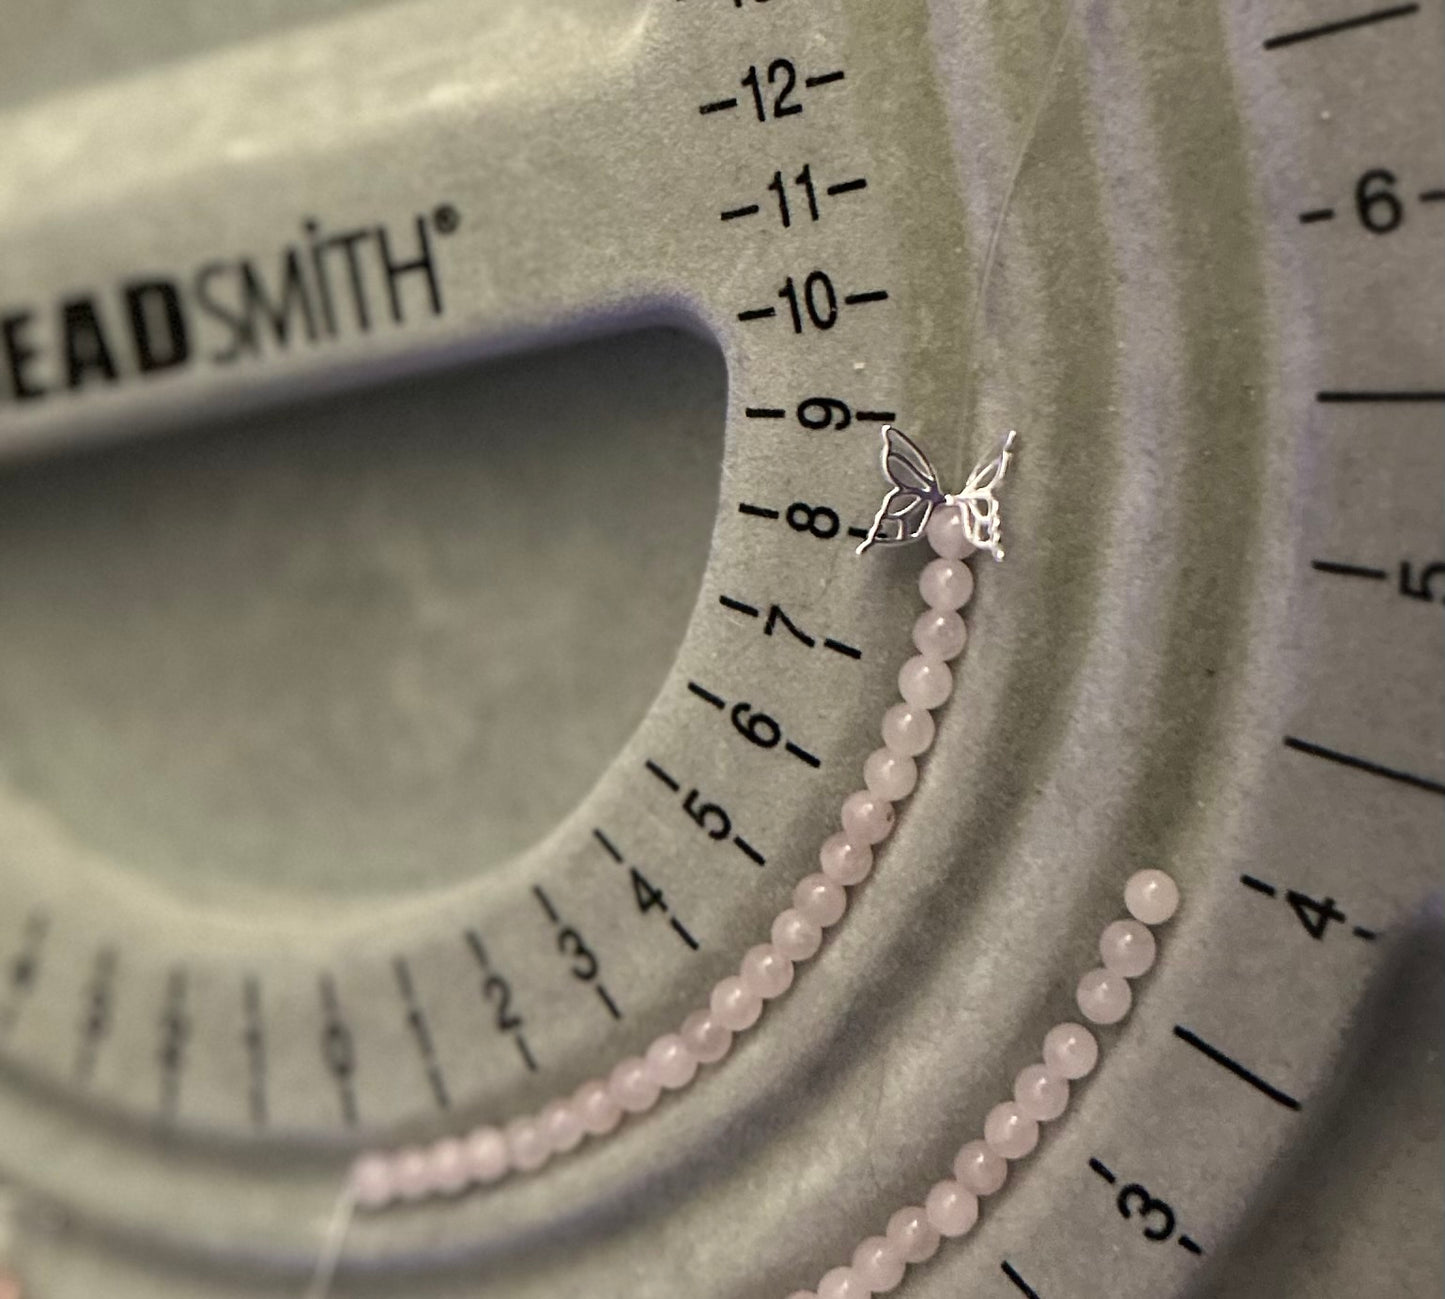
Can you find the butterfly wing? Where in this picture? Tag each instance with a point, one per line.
(905, 510)
(981, 522)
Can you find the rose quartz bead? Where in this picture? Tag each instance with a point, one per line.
(979, 1168)
(670, 1063)
(487, 1157)
(1070, 1050)
(1127, 948)
(940, 634)
(912, 1235)
(632, 1086)
(1039, 1094)
(1151, 896)
(706, 1037)
(878, 1265)
(845, 860)
(526, 1144)
(561, 1125)
(946, 583)
(925, 683)
(735, 1005)
(371, 1181)
(797, 937)
(866, 817)
(820, 899)
(946, 535)
(448, 1165)
(797, 1294)
(410, 1173)
(766, 971)
(598, 1107)
(951, 1208)
(908, 730)
(841, 1283)
(1009, 1131)
(1104, 997)
(889, 774)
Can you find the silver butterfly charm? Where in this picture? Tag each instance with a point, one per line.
(915, 494)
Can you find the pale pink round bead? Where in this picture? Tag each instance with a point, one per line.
(735, 1005)
(632, 1086)
(670, 1063)
(878, 1265)
(706, 1036)
(1151, 896)
(527, 1144)
(908, 730)
(1104, 997)
(1128, 948)
(1039, 1094)
(766, 971)
(979, 1168)
(940, 634)
(410, 1173)
(598, 1107)
(820, 899)
(866, 817)
(925, 683)
(797, 937)
(804, 1294)
(448, 1161)
(846, 860)
(561, 1125)
(1070, 1050)
(946, 535)
(952, 1209)
(889, 774)
(841, 1283)
(1009, 1131)
(946, 583)
(371, 1181)
(912, 1235)
(487, 1157)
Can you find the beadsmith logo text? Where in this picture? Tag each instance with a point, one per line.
(326, 285)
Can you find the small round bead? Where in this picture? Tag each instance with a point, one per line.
(1104, 997)
(845, 860)
(561, 1125)
(598, 1107)
(448, 1165)
(487, 1157)
(925, 683)
(1151, 896)
(1070, 1050)
(706, 1036)
(632, 1085)
(878, 1265)
(907, 729)
(803, 1294)
(766, 971)
(735, 1005)
(866, 817)
(940, 634)
(797, 937)
(411, 1174)
(527, 1144)
(1009, 1131)
(371, 1181)
(951, 1208)
(979, 1168)
(912, 1235)
(946, 535)
(946, 583)
(1128, 948)
(1039, 1094)
(820, 899)
(889, 774)
(841, 1283)
(670, 1063)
